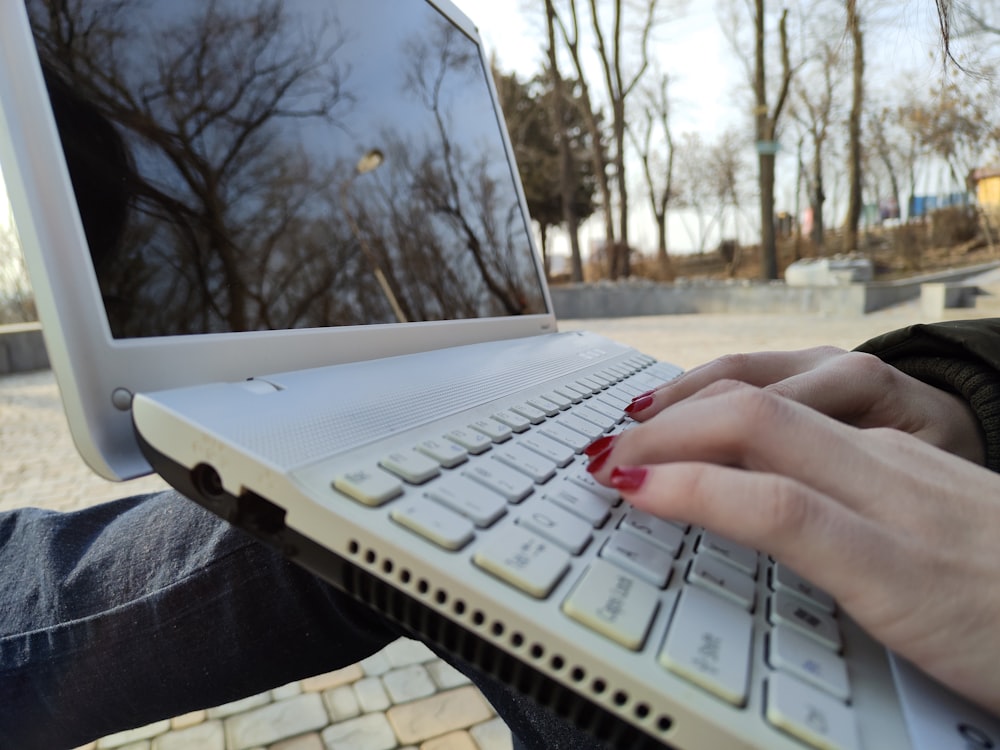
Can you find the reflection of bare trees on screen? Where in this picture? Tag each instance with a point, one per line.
(465, 188)
(205, 117)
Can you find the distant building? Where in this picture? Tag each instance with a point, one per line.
(985, 182)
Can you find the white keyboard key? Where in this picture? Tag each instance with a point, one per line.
(592, 508)
(415, 468)
(609, 412)
(515, 421)
(709, 644)
(561, 400)
(553, 450)
(631, 389)
(494, 430)
(716, 576)
(654, 529)
(480, 504)
(529, 412)
(562, 434)
(524, 560)
(800, 655)
(614, 603)
(742, 557)
(784, 577)
(633, 553)
(529, 463)
(445, 452)
(571, 420)
(814, 622)
(582, 479)
(434, 523)
(809, 714)
(560, 526)
(615, 399)
(574, 395)
(603, 378)
(511, 484)
(371, 486)
(582, 390)
(595, 415)
(472, 441)
(543, 405)
(595, 386)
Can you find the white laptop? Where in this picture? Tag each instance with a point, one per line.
(282, 257)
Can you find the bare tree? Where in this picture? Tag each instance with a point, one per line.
(812, 107)
(619, 86)
(767, 112)
(569, 29)
(17, 303)
(657, 164)
(557, 114)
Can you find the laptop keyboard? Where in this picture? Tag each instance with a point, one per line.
(630, 568)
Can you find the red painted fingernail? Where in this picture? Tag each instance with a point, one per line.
(596, 462)
(599, 446)
(643, 395)
(641, 402)
(628, 478)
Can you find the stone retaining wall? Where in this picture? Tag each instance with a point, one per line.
(22, 348)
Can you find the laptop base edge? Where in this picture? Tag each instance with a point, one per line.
(264, 520)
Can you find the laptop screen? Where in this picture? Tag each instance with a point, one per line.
(254, 166)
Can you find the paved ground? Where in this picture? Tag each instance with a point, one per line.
(403, 697)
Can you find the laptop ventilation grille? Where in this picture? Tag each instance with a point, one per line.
(477, 644)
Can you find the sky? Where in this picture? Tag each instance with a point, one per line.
(692, 50)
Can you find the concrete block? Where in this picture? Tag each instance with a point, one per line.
(442, 713)
(333, 679)
(369, 732)
(445, 676)
(408, 684)
(492, 735)
(341, 703)
(276, 721)
(130, 736)
(404, 652)
(240, 706)
(371, 694)
(207, 736)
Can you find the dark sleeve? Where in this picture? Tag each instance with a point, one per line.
(961, 356)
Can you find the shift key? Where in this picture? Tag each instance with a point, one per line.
(709, 644)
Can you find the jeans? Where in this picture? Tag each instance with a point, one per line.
(149, 607)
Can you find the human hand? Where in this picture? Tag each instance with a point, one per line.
(855, 388)
(902, 534)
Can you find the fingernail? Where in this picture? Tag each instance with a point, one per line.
(640, 403)
(643, 395)
(596, 462)
(628, 478)
(599, 446)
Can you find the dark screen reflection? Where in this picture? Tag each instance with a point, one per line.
(256, 166)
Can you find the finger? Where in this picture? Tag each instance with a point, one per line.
(752, 429)
(758, 369)
(820, 539)
(856, 388)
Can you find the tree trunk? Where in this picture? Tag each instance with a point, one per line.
(566, 161)
(854, 204)
(768, 241)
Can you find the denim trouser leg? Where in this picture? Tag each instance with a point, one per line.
(149, 607)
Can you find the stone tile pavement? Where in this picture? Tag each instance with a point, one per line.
(403, 697)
